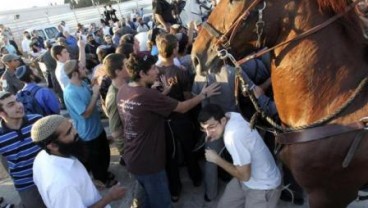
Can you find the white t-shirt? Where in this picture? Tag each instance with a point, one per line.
(142, 39)
(247, 147)
(60, 75)
(25, 45)
(39, 53)
(106, 30)
(63, 182)
(65, 28)
(176, 62)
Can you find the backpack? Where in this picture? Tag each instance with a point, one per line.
(31, 105)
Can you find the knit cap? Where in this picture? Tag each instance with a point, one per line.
(45, 127)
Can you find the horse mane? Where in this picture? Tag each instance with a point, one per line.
(332, 6)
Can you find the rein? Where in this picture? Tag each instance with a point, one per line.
(223, 43)
(301, 36)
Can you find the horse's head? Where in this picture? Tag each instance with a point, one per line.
(239, 26)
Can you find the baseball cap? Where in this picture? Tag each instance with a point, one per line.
(9, 57)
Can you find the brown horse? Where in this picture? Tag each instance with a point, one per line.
(312, 77)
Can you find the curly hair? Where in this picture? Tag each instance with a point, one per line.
(137, 63)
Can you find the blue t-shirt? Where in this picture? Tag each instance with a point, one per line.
(76, 99)
(154, 50)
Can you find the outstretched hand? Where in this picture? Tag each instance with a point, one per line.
(213, 89)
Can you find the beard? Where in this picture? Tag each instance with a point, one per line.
(76, 148)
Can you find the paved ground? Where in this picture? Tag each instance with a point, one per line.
(191, 197)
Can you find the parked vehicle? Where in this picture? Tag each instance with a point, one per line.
(46, 32)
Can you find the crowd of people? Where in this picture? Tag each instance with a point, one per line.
(140, 76)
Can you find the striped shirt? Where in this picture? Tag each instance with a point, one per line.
(19, 150)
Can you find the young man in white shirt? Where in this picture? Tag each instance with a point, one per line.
(61, 55)
(26, 42)
(257, 178)
(59, 176)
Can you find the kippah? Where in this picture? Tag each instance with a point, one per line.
(45, 127)
(20, 71)
(70, 66)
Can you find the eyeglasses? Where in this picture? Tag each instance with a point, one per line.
(210, 128)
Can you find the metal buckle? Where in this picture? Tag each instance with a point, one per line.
(364, 120)
(222, 54)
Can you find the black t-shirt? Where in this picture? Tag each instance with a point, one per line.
(163, 8)
(107, 16)
(113, 15)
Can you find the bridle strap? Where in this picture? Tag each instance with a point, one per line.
(301, 36)
(225, 39)
(211, 30)
(241, 19)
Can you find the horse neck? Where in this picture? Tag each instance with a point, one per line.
(315, 76)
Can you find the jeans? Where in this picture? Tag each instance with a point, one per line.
(157, 194)
(180, 139)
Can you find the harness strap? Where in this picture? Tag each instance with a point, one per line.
(317, 133)
(354, 146)
(301, 36)
(211, 30)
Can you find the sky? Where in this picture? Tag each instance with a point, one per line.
(23, 4)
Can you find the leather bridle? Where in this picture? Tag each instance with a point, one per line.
(224, 40)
